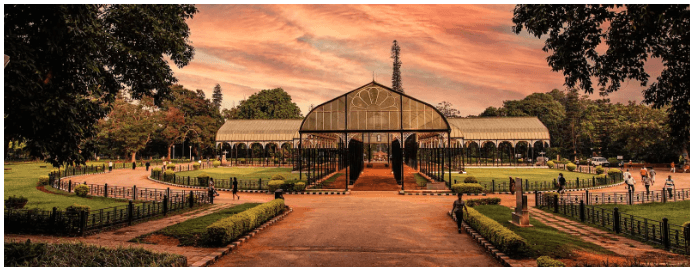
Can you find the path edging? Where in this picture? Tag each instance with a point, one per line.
(208, 260)
(500, 256)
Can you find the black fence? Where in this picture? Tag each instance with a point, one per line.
(628, 197)
(506, 185)
(670, 236)
(243, 184)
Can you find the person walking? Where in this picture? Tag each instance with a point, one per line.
(669, 185)
(651, 174)
(644, 173)
(630, 164)
(672, 167)
(110, 166)
(213, 191)
(134, 165)
(648, 181)
(458, 207)
(562, 183)
(147, 166)
(629, 180)
(235, 189)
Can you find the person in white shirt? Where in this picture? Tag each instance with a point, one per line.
(670, 185)
(629, 180)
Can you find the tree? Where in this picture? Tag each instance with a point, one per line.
(70, 61)
(446, 108)
(634, 33)
(230, 114)
(395, 55)
(129, 127)
(217, 96)
(269, 104)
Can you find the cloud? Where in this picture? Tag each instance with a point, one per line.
(465, 54)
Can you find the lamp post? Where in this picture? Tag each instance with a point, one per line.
(190, 152)
(174, 151)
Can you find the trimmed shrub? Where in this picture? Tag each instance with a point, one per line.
(15, 202)
(614, 172)
(156, 169)
(278, 177)
(546, 261)
(483, 201)
(550, 164)
(169, 176)
(613, 161)
(599, 170)
(216, 164)
(227, 229)
(299, 186)
(583, 162)
(43, 180)
(196, 166)
(203, 179)
(81, 190)
(171, 166)
(564, 161)
(467, 188)
(75, 208)
(571, 167)
(273, 185)
(470, 179)
(504, 239)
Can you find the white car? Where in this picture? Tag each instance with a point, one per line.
(595, 161)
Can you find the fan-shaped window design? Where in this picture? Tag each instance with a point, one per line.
(374, 107)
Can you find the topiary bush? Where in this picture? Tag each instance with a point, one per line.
(470, 179)
(203, 179)
(196, 166)
(169, 176)
(171, 166)
(216, 164)
(501, 237)
(483, 201)
(81, 190)
(227, 229)
(299, 186)
(467, 188)
(550, 164)
(156, 169)
(43, 180)
(571, 167)
(546, 261)
(614, 172)
(273, 185)
(75, 208)
(599, 170)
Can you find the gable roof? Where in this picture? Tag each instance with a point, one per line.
(498, 128)
(259, 130)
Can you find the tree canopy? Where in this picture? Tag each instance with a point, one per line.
(446, 108)
(129, 127)
(70, 61)
(217, 96)
(633, 34)
(268, 104)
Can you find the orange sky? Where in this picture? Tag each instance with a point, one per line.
(465, 54)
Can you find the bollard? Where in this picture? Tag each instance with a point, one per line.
(630, 198)
(260, 183)
(593, 181)
(664, 199)
(130, 213)
(493, 186)
(106, 190)
(134, 192)
(582, 214)
(69, 186)
(166, 204)
(537, 200)
(556, 204)
(83, 222)
(615, 222)
(666, 234)
(191, 199)
(587, 197)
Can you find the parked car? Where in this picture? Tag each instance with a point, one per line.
(595, 161)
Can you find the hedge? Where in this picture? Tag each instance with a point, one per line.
(546, 261)
(470, 179)
(501, 237)
(571, 167)
(30, 254)
(43, 180)
(483, 201)
(278, 177)
(550, 164)
(75, 208)
(274, 185)
(467, 188)
(81, 190)
(299, 186)
(171, 166)
(169, 176)
(599, 170)
(156, 169)
(196, 166)
(227, 229)
(216, 164)
(614, 172)
(583, 162)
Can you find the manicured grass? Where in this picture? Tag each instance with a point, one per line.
(191, 232)
(421, 181)
(243, 173)
(542, 239)
(676, 212)
(328, 181)
(500, 175)
(22, 179)
(27, 254)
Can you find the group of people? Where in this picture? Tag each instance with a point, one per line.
(648, 180)
(234, 188)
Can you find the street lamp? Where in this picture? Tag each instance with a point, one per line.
(174, 151)
(190, 152)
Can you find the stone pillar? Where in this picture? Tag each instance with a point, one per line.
(520, 216)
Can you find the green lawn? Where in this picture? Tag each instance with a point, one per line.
(21, 181)
(676, 212)
(329, 180)
(243, 173)
(501, 175)
(192, 231)
(542, 239)
(421, 181)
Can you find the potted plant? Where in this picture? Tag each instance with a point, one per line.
(14, 202)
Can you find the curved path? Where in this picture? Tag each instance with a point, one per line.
(361, 229)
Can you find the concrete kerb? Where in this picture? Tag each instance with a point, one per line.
(500, 256)
(252, 191)
(208, 260)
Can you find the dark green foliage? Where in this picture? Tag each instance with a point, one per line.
(483, 201)
(269, 104)
(217, 96)
(504, 239)
(420, 180)
(15, 202)
(467, 188)
(395, 55)
(227, 229)
(69, 61)
(470, 179)
(81, 190)
(43, 180)
(81, 255)
(546, 261)
(633, 34)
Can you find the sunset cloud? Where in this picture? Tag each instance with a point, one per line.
(464, 54)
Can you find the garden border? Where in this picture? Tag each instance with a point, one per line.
(208, 260)
(255, 191)
(504, 259)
